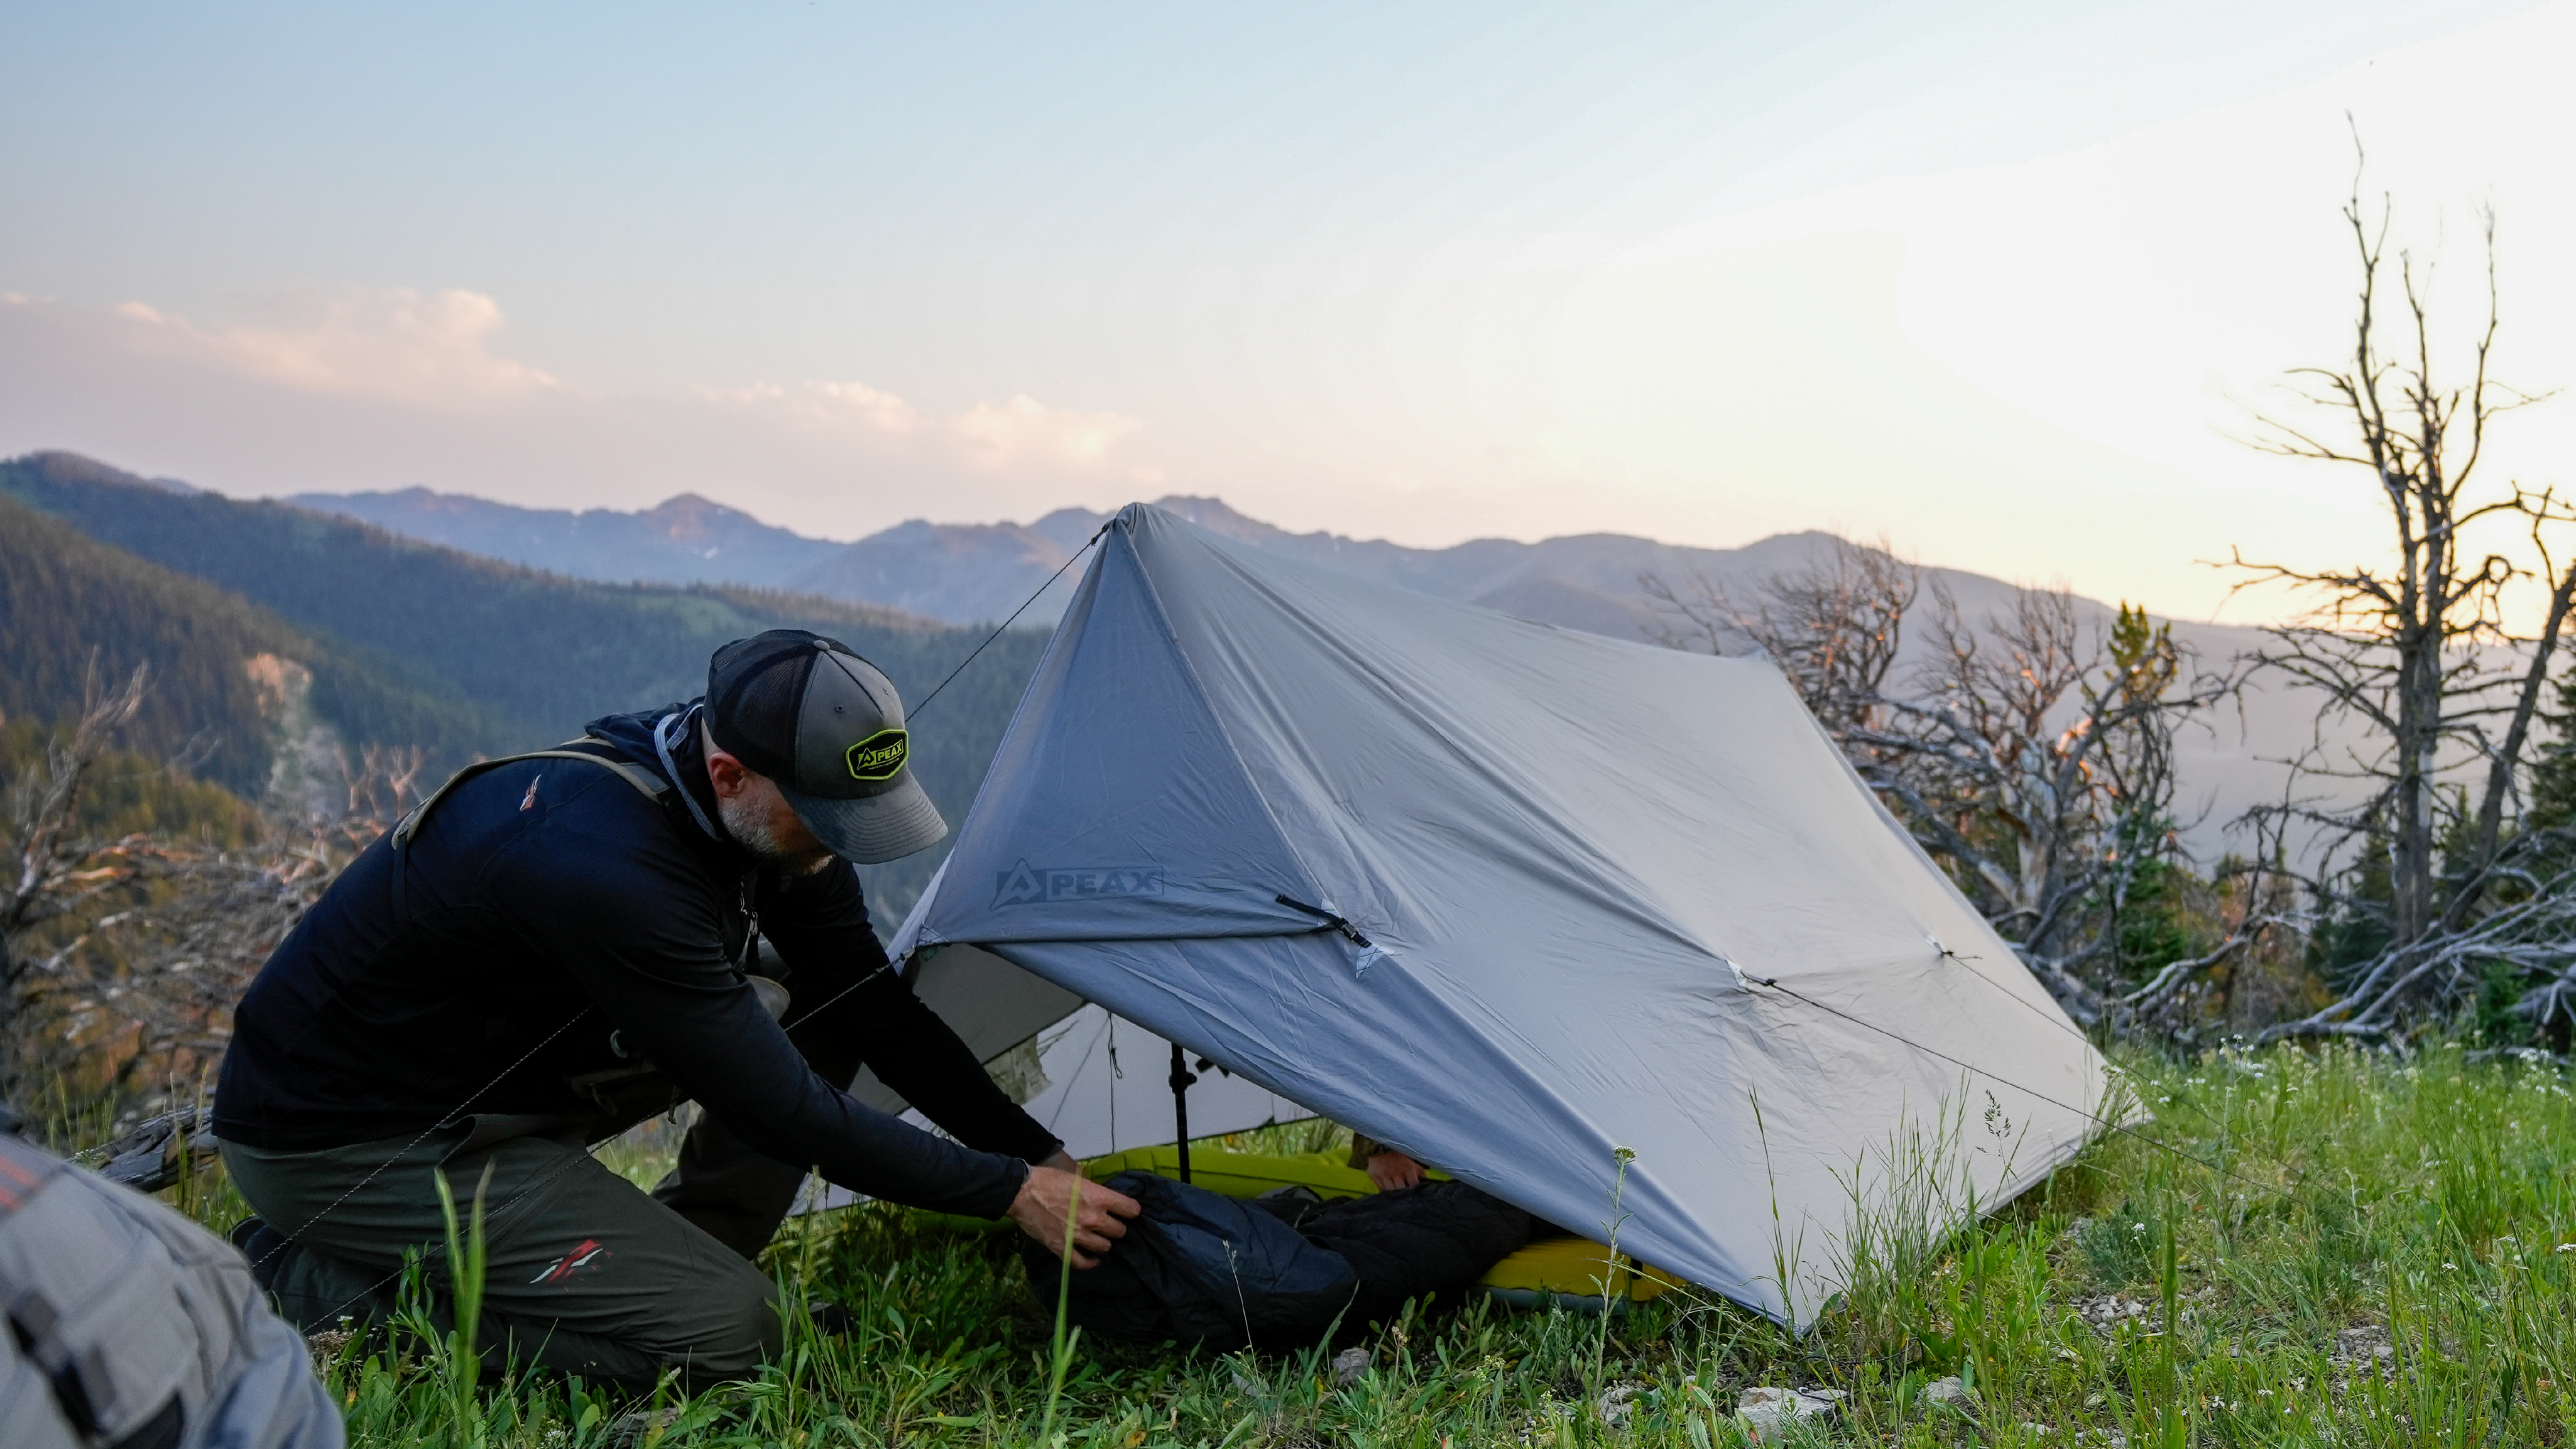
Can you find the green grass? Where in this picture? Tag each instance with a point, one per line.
(2139, 1297)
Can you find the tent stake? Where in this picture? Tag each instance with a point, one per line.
(1181, 1079)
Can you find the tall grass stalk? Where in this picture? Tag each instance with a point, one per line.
(2173, 1429)
(1613, 1282)
(1061, 1358)
(466, 1255)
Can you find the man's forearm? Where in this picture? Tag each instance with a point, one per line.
(921, 1057)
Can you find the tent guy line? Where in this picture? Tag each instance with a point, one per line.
(448, 1119)
(918, 709)
(2067, 1027)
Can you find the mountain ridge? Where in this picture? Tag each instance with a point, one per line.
(1595, 582)
(968, 573)
(686, 538)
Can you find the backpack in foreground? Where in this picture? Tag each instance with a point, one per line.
(130, 1327)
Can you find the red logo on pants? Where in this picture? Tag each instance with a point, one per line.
(586, 1256)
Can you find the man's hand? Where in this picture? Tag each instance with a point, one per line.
(1391, 1170)
(1051, 1196)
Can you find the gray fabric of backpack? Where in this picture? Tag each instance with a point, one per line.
(130, 1327)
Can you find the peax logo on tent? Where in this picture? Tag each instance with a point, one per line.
(1024, 884)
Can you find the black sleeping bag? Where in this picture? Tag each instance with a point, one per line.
(1203, 1268)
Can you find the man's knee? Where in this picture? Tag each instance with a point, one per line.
(588, 1276)
(728, 1332)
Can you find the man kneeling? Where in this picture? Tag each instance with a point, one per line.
(557, 946)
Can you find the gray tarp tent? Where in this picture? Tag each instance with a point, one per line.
(1504, 895)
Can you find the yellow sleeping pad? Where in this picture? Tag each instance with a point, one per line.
(1239, 1174)
(1568, 1272)
(1572, 1270)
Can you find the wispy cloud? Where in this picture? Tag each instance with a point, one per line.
(1020, 432)
(431, 349)
(362, 389)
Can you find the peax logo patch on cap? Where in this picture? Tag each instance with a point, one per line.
(880, 756)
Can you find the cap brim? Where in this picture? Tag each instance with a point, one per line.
(876, 829)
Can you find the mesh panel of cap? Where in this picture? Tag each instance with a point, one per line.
(754, 716)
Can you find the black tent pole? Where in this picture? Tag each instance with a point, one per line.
(1181, 1080)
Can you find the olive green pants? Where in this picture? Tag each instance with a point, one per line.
(584, 1272)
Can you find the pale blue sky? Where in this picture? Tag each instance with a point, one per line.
(1421, 271)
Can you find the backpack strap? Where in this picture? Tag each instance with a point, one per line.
(648, 784)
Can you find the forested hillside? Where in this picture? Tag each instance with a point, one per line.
(463, 656)
(64, 596)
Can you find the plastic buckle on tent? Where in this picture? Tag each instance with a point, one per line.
(1369, 954)
(1331, 921)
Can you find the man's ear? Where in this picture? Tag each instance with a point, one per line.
(728, 775)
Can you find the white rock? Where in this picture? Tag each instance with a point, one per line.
(1946, 1391)
(1349, 1364)
(2365, 1344)
(1768, 1411)
(1614, 1405)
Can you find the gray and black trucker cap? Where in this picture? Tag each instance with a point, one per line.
(828, 728)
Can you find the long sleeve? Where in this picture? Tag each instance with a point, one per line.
(650, 951)
(820, 925)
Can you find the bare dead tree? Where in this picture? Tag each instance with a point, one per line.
(1834, 626)
(124, 957)
(2419, 647)
(2031, 756)
(2038, 761)
(54, 870)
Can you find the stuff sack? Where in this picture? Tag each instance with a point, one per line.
(1432, 1240)
(1202, 1268)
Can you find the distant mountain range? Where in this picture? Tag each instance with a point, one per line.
(964, 573)
(683, 540)
(979, 573)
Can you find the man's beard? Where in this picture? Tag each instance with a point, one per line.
(748, 823)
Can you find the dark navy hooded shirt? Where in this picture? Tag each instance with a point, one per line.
(547, 905)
